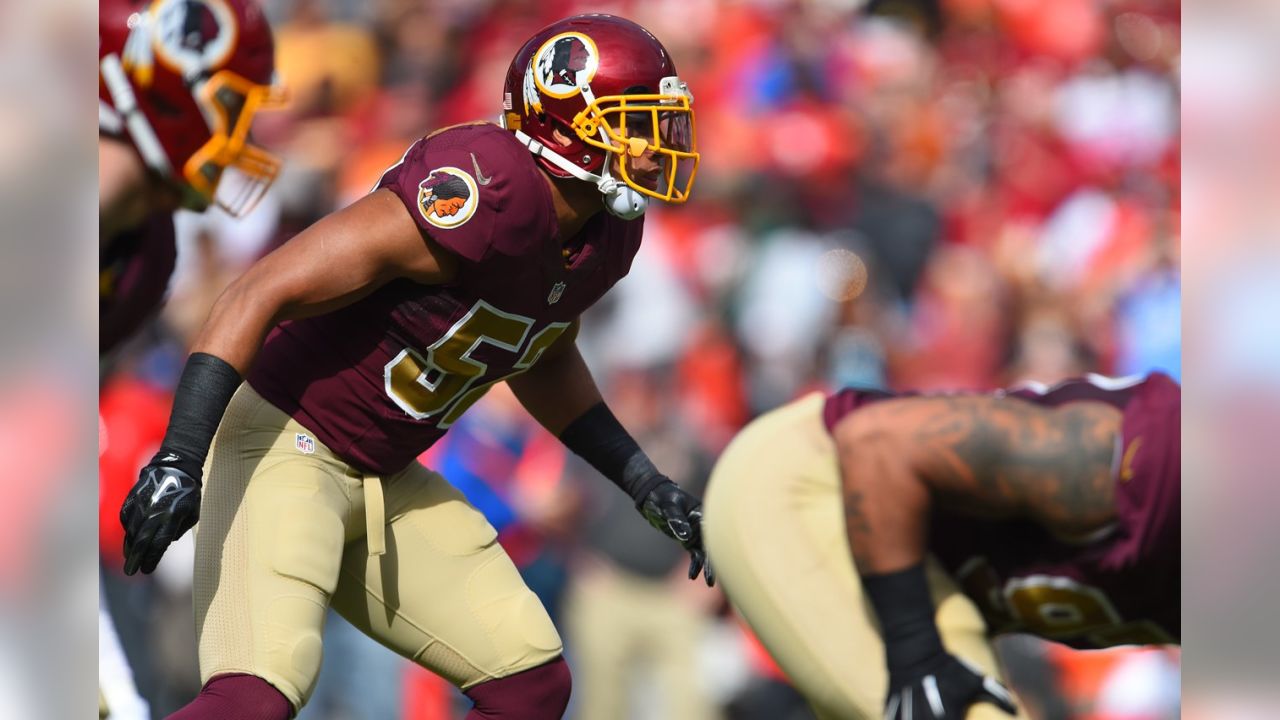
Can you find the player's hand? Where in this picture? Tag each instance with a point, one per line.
(944, 690)
(679, 515)
(163, 504)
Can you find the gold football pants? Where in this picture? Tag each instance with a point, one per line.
(288, 528)
(774, 529)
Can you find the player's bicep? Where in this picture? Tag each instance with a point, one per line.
(1006, 456)
(956, 446)
(344, 257)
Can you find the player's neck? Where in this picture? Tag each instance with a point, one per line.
(575, 203)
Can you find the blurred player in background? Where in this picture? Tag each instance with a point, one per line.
(366, 336)
(179, 82)
(1051, 511)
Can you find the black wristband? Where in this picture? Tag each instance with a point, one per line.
(905, 610)
(600, 439)
(206, 387)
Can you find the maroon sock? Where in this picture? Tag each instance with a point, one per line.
(541, 693)
(239, 696)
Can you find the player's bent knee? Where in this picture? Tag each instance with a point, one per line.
(244, 697)
(541, 693)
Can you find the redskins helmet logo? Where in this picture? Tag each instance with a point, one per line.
(188, 36)
(447, 197)
(560, 68)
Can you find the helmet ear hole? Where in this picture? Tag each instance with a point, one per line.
(563, 136)
(164, 107)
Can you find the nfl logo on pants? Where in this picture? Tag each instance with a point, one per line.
(304, 443)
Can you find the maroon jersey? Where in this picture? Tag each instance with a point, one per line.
(382, 379)
(1121, 588)
(133, 274)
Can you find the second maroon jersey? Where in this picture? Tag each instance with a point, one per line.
(133, 274)
(1121, 588)
(382, 379)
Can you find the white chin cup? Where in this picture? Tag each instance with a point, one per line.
(625, 202)
(620, 199)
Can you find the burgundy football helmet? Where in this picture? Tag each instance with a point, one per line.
(609, 88)
(182, 81)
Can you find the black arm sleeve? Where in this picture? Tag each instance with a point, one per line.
(600, 439)
(206, 387)
(905, 610)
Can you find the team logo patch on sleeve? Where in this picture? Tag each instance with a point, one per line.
(448, 197)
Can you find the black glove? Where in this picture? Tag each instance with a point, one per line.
(163, 504)
(925, 681)
(943, 689)
(679, 515)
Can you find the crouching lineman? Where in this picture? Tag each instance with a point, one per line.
(875, 542)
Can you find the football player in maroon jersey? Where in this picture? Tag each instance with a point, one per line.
(365, 337)
(179, 83)
(929, 522)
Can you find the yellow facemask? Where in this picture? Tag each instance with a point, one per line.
(233, 102)
(652, 136)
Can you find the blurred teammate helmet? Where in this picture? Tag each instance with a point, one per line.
(610, 89)
(182, 80)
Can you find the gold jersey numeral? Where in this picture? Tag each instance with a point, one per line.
(442, 379)
(1052, 607)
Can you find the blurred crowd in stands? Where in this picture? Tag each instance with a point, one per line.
(909, 193)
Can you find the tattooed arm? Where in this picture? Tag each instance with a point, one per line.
(996, 457)
(974, 454)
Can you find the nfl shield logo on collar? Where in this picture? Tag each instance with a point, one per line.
(304, 443)
(556, 291)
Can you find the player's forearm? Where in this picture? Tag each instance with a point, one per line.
(220, 357)
(557, 390)
(886, 505)
(560, 393)
(237, 325)
(203, 392)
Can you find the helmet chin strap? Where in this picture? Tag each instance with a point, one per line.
(125, 105)
(620, 199)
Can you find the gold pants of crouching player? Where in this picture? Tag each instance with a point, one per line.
(774, 528)
(285, 531)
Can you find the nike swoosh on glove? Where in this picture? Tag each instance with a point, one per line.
(163, 504)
